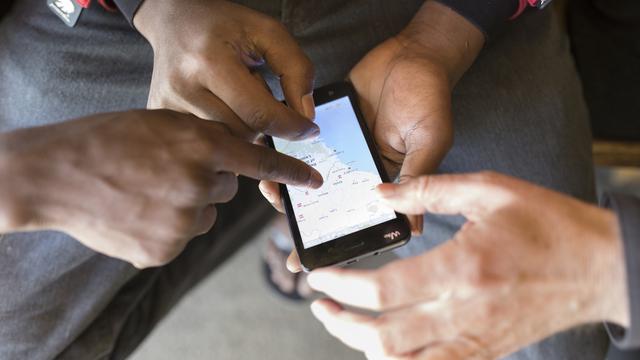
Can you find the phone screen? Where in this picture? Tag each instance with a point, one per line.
(346, 202)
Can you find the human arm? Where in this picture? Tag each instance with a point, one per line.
(134, 185)
(529, 262)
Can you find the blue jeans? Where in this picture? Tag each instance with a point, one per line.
(519, 110)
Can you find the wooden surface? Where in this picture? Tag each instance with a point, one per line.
(615, 153)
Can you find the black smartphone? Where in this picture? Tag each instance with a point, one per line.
(342, 221)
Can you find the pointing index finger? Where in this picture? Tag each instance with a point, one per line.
(263, 163)
(471, 195)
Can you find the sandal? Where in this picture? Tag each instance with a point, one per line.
(292, 286)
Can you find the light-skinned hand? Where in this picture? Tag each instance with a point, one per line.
(528, 263)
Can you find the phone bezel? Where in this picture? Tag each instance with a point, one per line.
(368, 241)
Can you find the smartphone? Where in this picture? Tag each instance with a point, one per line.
(344, 220)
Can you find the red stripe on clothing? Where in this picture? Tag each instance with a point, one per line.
(521, 6)
(108, 5)
(84, 3)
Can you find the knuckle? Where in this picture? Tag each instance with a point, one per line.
(182, 225)
(274, 27)
(422, 185)
(260, 119)
(268, 164)
(300, 174)
(152, 257)
(16, 215)
(213, 216)
(167, 253)
(200, 147)
(231, 187)
(308, 67)
(195, 187)
(498, 184)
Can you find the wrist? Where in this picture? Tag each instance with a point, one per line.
(29, 183)
(445, 37)
(14, 215)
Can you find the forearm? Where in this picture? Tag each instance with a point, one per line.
(447, 38)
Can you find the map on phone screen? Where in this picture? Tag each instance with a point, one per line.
(347, 201)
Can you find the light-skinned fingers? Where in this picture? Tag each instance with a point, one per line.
(349, 286)
(366, 333)
(398, 284)
(271, 192)
(409, 329)
(354, 330)
(471, 195)
(293, 262)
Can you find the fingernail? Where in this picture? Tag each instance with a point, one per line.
(268, 196)
(312, 280)
(308, 106)
(316, 179)
(386, 190)
(293, 268)
(322, 308)
(316, 309)
(314, 133)
(311, 133)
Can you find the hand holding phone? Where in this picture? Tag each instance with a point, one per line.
(343, 220)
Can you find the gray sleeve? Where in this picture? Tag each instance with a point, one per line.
(628, 210)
